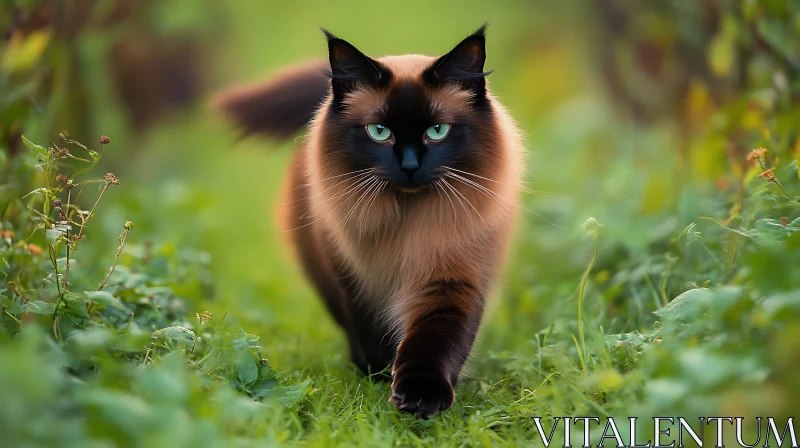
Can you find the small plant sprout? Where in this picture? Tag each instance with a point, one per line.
(592, 227)
(203, 317)
(109, 179)
(122, 236)
(758, 156)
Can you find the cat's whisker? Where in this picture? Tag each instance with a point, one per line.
(329, 178)
(485, 190)
(470, 174)
(461, 199)
(354, 189)
(309, 223)
(481, 189)
(369, 194)
(375, 195)
(449, 188)
(443, 194)
(538, 215)
(349, 179)
(347, 189)
(470, 204)
(442, 189)
(358, 181)
(525, 189)
(497, 198)
(371, 184)
(371, 200)
(521, 187)
(349, 197)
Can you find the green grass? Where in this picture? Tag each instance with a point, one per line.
(616, 322)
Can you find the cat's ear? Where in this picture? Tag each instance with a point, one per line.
(463, 65)
(350, 67)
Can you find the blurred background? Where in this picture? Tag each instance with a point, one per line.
(639, 114)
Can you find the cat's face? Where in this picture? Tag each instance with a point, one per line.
(409, 119)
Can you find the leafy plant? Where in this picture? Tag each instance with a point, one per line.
(130, 326)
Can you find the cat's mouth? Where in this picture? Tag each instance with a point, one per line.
(410, 189)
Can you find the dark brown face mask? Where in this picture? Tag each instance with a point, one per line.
(408, 117)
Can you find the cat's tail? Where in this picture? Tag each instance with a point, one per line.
(279, 106)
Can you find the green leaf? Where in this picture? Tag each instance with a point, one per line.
(38, 307)
(93, 338)
(686, 304)
(782, 306)
(175, 334)
(104, 299)
(76, 305)
(263, 388)
(42, 190)
(248, 367)
(294, 393)
(688, 308)
(121, 411)
(54, 235)
(246, 341)
(40, 151)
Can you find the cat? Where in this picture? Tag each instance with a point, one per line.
(401, 203)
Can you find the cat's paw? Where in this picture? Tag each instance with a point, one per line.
(421, 395)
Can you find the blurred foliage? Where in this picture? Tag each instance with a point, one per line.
(78, 354)
(689, 306)
(45, 57)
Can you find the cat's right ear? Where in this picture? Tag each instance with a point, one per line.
(350, 67)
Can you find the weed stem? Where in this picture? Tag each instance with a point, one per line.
(89, 216)
(122, 237)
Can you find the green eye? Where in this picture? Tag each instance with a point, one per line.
(378, 132)
(438, 131)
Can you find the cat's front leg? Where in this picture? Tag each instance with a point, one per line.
(440, 328)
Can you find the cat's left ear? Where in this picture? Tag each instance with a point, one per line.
(463, 65)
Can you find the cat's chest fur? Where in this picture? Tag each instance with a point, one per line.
(415, 246)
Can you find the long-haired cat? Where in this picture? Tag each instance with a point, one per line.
(399, 205)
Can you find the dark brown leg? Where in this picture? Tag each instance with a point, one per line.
(378, 344)
(317, 265)
(372, 349)
(437, 343)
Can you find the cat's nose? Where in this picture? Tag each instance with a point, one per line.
(410, 161)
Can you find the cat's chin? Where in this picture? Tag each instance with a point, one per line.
(410, 189)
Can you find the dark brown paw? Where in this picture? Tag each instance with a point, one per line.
(421, 395)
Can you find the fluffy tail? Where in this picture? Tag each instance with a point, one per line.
(279, 107)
